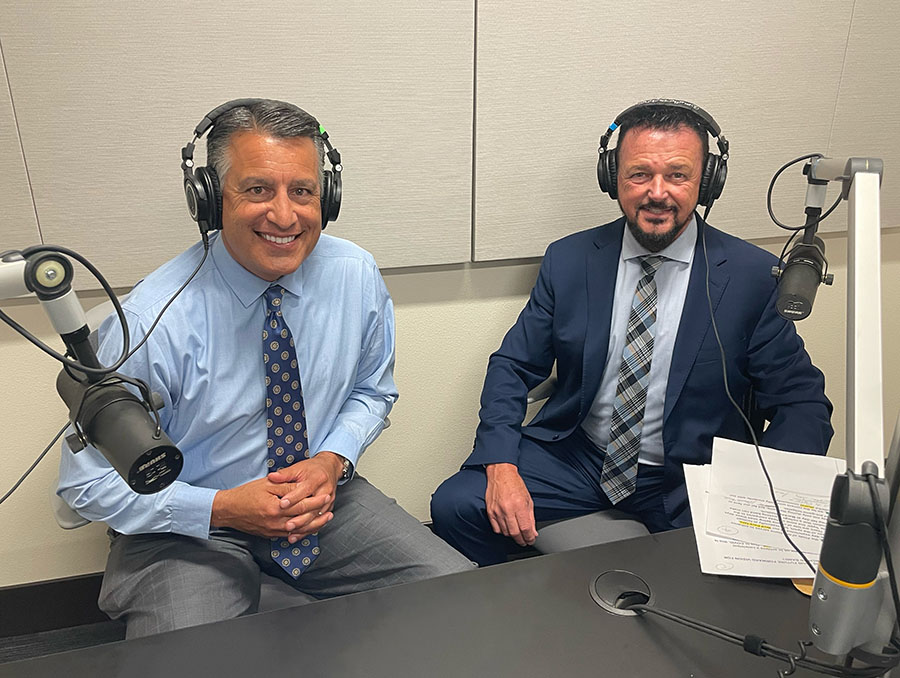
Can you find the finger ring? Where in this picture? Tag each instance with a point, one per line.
(320, 513)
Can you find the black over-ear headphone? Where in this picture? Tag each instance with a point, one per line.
(714, 170)
(204, 193)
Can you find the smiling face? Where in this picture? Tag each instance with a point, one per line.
(271, 215)
(659, 173)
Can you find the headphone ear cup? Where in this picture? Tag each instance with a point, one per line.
(606, 173)
(197, 196)
(209, 180)
(201, 188)
(718, 180)
(709, 172)
(713, 181)
(331, 196)
(325, 198)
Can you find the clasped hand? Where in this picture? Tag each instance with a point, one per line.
(291, 503)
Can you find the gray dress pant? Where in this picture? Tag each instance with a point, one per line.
(161, 582)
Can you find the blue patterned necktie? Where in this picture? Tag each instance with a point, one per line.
(619, 475)
(285, 421)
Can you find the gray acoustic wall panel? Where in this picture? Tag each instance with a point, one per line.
(107, 93)
(552, 76)
(867, 120)
(18, 227)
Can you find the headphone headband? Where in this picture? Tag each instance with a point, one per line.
(218, 111)
(709, 122)
(187, 153)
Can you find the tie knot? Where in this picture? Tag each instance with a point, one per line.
(650, 264)
(273, 297)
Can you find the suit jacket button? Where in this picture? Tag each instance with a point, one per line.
(556, 436)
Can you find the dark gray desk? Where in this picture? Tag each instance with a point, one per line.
(532, 617)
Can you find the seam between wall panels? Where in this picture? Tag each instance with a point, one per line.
(474, 129)
(12, 104)
(837, 96)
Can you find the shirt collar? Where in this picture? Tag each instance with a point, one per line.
(246, 286)
(681, 250)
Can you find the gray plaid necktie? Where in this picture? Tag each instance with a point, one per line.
(285, 421)
(619, 475)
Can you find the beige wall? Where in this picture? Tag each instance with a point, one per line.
(106, 93)
(454, 150)
(448, 322)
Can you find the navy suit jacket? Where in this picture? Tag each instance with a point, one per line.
(567, 322)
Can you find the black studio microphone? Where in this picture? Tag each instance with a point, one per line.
(800, 278)
(120, 426)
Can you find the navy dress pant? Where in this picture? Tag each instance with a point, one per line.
(563, 478)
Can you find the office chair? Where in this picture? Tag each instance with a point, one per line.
(600, 527)
(611, 525)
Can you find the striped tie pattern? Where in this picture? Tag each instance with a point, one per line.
(619, 475)
(286, 421)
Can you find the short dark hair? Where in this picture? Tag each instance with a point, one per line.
(664, 117)
(267, 116)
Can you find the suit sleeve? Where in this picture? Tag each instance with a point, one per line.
(787, 386)
(524, 360)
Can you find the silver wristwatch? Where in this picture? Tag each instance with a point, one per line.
(345, 470)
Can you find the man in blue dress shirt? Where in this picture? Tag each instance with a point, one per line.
(623, 313)
(193, 552)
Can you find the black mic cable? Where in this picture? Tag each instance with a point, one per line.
(127, 352)
(75, 364)
(806, 267)
(759, 646)
(35, 463)
(808, 156)
(881, 524)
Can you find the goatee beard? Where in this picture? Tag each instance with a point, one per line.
(656, 242)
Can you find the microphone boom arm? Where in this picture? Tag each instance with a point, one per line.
(103, 412)
(846, 615)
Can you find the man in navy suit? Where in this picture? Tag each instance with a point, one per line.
(623, 312)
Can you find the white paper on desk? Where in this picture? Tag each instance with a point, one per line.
(740, 503)
(719, 555)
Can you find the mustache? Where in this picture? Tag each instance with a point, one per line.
(658, 205)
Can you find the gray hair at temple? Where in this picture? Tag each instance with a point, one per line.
(268, 117)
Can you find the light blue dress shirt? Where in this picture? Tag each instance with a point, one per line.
(671, 285)
(206, 361)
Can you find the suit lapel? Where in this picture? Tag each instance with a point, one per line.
(601, 267)
(695, 320)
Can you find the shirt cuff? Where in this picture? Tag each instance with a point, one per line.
(191, 510)
(344, 444)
